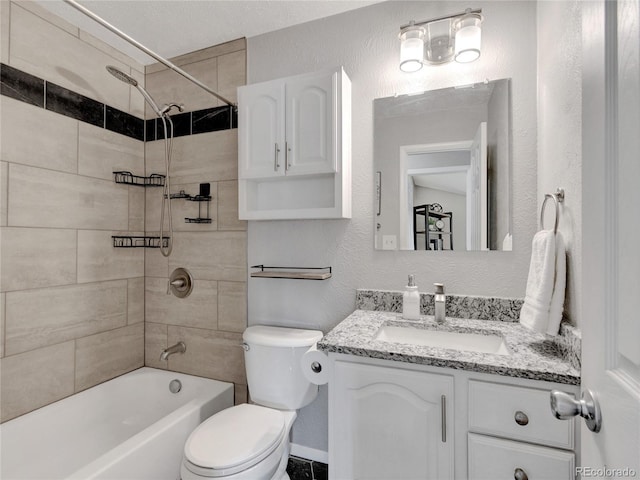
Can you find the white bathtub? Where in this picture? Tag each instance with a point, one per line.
(129, 428)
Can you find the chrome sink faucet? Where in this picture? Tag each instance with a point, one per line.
(179, 347)
(439, 301)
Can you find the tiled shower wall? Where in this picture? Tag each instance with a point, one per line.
(211, 320)
(72, 311)
(72, 305)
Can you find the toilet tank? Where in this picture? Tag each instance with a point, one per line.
(272, 360)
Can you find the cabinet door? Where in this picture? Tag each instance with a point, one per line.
(261, 130)
(311, 124)
(390, 423)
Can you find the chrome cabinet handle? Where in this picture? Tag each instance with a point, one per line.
(521, 418)
(287, 149)
(520, 474)
(565, 406)
(276, 165)
(443, 407)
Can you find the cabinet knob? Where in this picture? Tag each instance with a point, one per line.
(521, 418)
(520, 474)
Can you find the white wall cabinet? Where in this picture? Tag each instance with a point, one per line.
(294, 147)
(386, 420)
(391, 423)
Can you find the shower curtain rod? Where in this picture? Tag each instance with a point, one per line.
(151, 53)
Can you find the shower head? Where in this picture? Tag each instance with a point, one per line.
(123, 77)
(120, 75)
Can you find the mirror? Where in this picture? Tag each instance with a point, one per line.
(442, 169)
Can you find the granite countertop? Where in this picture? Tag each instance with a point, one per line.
(532, 355)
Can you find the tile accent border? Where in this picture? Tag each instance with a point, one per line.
(41, 93)
(569, 341)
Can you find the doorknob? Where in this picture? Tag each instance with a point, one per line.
(564, 406)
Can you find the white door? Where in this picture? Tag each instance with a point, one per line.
(477, 220)
(311, 135)
(261, 143)
(373, 408)
(611, 251)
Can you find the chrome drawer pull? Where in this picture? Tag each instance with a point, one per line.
(521, 418)
(520, 474)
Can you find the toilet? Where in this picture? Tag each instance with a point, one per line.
(251, 441)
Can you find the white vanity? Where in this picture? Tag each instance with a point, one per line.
(411, 410)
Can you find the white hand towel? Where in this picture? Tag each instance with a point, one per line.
(557, 298)
(545, 284)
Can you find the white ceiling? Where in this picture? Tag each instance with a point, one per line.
(174, 27)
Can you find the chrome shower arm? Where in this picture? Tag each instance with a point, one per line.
(141, 47)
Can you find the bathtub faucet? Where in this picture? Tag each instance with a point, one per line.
(179, 347)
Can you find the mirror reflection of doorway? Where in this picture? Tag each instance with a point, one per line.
(452, 176)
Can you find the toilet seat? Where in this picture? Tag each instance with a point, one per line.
(234, 440)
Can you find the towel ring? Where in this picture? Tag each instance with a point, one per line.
(558, 198)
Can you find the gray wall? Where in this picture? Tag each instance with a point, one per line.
(560, 132)
(365, 43)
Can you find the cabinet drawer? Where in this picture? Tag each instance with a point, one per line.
(519, 413)
(493, 458)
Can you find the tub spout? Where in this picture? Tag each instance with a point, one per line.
(179, 347)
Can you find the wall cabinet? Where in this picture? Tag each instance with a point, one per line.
(402, 421)
(294, 147)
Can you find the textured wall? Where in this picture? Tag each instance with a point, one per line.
(560, 134)
(71, 305)
(365, 43)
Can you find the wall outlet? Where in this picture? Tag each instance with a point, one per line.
(389, 242)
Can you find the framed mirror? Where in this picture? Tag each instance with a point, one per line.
(442, 169)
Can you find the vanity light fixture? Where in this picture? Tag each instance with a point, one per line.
(441, 40)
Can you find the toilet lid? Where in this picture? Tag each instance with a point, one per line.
(239, 436)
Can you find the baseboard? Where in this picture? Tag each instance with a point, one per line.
(309, 453)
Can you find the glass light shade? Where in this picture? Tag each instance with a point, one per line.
(411, 48)
(468, 38)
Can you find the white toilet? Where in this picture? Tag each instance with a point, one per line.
(252, 441)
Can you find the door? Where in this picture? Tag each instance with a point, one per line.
(477, 212)
(390, 423)
(261, 110)
(611, 253)
(311, 124)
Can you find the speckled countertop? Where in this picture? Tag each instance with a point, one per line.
(532, 355)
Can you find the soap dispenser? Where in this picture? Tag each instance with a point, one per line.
(411, 301)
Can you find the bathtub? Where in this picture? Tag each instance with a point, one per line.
(129, 428)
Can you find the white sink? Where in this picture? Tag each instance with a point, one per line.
(473, 342)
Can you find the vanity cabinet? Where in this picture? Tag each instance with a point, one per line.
(390, 423)
(294, 147)
(399, 420)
